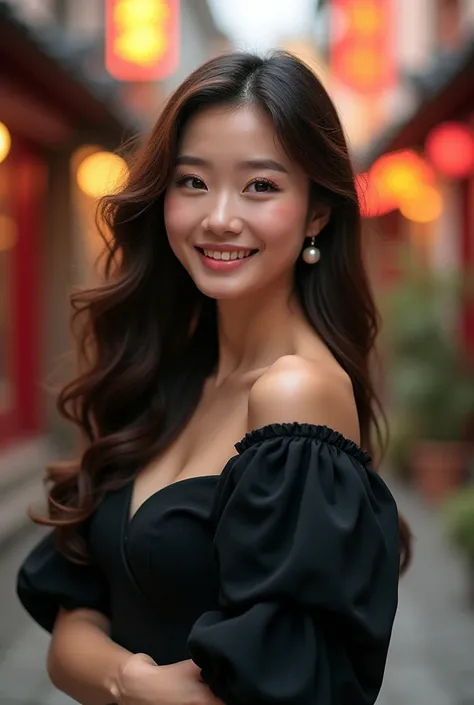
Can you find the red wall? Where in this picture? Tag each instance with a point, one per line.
(27, 191)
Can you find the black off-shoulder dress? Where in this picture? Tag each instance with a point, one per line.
(279, 577)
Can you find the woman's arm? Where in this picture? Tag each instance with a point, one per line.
(86, 664)
(83, 661)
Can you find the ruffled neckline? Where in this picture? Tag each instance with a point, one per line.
(304, 430)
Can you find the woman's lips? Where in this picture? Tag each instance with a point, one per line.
(224, 265)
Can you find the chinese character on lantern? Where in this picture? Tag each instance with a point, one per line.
(142, 39)
(363, 44)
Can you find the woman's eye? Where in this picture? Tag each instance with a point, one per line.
(192, 182)
(261, 186)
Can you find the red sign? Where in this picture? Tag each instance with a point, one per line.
(363, 44)
(141, 39)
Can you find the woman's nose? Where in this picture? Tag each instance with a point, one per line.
(222, 217)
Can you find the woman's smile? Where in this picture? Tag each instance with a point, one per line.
(224, 258)
(245, 208)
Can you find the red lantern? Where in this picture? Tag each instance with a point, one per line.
(450, 148)
(363, 44)
(141, 39)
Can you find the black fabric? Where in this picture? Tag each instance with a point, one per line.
(47, 581)
(279, 578)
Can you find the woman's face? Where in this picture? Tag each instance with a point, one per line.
(236, 212)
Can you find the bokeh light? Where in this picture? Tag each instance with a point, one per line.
(5, 142)
(8, 233)
(425, 206)
(372, 203)
(400, 175)
(450, 148)
(101, 173)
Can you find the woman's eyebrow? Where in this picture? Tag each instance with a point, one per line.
(268, 164)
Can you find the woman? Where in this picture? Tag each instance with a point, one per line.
(225, 538)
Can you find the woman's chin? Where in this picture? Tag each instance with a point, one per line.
(223, 290)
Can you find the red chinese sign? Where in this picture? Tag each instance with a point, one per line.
(363, 44)
(141, 39)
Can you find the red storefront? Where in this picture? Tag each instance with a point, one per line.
(22, 180)
(47, 111)
(448, 97)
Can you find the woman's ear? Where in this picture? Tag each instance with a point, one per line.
(318, 221)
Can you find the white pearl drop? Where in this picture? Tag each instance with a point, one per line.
(311, 255)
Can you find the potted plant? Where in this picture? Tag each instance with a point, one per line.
(459, 520)
(440, 403)
(431, 385)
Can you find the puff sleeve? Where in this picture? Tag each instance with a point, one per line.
(307, 543)
(48, 581)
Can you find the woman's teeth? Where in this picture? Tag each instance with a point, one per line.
(237, 254)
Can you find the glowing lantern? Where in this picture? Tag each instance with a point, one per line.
(363, 46)
(450, 148)
(5, 142)
(101, 173)
(401, 175)
(425, 207)
(142, 39)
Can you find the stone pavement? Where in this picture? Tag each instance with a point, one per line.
(431, 661)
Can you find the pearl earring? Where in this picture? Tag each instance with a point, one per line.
(311, 254)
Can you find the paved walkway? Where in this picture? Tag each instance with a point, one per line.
(431, 660)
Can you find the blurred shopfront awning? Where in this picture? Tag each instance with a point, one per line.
(444, 92)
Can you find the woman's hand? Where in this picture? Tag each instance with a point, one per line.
(142, 682)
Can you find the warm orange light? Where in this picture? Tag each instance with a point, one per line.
(142, 39)
(5, 142)
(8, 233)
(372, 204)
(363, 44)
(450, 148)
(101, 173)
(362, 66)
(400, 175)
(140, 12)
(142, 46)
(365, 17)
(425, 207)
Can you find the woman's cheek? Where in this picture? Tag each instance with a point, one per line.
(281, 218)
(177, 215)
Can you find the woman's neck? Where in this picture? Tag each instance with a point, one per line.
(255, 331)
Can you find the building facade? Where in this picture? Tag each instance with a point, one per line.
(57, 104)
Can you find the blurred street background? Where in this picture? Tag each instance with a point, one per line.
(78, 78)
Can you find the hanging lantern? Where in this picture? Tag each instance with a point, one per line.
(101, 173)
(363, 55)
(5, 142)
(424, 207)
(400, 175)
(141, 39)
(450, 148)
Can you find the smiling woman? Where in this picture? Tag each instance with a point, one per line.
(244, 196)
(225, 538)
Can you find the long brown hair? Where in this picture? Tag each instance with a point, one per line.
(150, 340)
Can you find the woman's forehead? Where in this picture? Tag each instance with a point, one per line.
(238, 133)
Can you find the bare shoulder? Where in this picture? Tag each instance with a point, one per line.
(295, 388)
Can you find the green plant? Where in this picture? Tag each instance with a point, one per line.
(399, 447)
(459, 520)
(430, 384)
